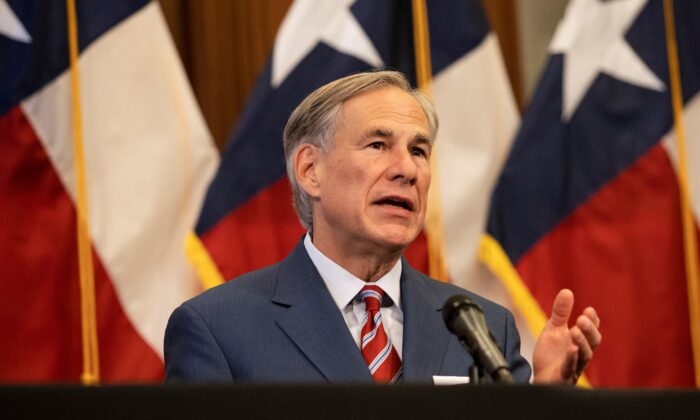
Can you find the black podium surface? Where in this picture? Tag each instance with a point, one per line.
(342, 402)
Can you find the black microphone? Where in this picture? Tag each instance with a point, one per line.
(465, 319)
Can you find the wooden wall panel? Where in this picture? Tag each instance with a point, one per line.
(175, 17)
(224, 45)
(503, 20)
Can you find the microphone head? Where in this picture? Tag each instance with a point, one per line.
(453, 306)
(465, 319)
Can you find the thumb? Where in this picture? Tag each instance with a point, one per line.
(561, 308)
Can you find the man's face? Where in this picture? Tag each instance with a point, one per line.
(373, 183)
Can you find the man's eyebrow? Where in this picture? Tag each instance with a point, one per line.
(423, 139)
(387, 132)
(379, 132)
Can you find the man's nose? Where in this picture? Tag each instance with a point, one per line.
(402, 166)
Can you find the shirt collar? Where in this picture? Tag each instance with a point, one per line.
(343, 285)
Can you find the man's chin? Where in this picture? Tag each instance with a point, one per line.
(399, 239)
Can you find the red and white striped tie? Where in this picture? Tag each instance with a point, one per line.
(381, 356)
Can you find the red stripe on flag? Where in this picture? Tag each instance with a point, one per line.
(259, 233)
(265, 229)
(622, 253)
(40, 316)
(417, 253)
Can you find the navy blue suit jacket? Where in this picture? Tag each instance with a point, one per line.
(280, 324)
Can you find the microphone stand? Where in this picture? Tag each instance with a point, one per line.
(465, 319)
(475, 374)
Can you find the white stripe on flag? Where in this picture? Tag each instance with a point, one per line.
(478, 119)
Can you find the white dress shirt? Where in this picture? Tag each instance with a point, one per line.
(344, 288)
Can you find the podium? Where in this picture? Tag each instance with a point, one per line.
(342, 402)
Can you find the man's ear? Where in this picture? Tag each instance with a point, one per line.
(306, 168)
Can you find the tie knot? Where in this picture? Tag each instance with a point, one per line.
(372, 296)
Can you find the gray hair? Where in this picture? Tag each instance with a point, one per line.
(314, 121)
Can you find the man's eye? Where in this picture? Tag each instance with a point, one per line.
(377, 145)
(417, 151)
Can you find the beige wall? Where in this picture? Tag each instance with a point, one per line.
(537, 20)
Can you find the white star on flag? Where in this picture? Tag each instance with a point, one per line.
(309, 22)
(592, 37)
(11, 26)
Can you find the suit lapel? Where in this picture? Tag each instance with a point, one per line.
(425, 341)
(314, 323)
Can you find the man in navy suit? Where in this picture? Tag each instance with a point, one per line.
(358, 159)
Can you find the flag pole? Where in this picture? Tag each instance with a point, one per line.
(91, 363)
(434, 224)
(203, 263)
(690, 245)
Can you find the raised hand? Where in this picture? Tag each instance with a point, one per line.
(562, 353)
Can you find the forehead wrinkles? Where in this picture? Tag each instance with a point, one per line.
(383, 109)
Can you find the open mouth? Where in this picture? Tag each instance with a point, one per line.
(396, 202)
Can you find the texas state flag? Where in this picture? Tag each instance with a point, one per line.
(248, 220)
(589, 196)
(149, 158)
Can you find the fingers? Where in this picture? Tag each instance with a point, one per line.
(589, 324)
(593, 315)
(584, 350)
(561, 308)
(569, 371)
(586, 335)
(583, 337)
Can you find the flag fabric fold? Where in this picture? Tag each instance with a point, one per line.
(589, 199)
(149, 158)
